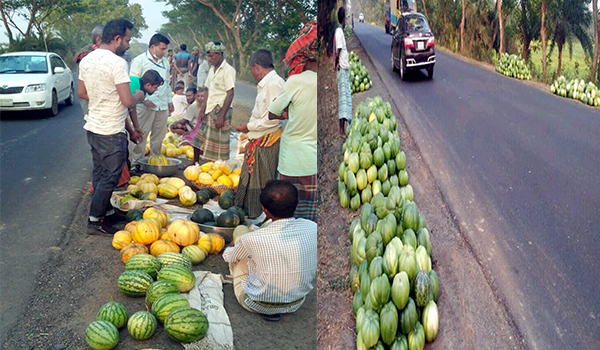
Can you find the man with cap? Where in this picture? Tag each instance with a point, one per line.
(214, 143)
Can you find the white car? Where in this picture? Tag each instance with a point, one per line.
(361, 18)
(31, 81)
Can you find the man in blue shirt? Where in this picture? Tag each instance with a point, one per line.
(182, 60)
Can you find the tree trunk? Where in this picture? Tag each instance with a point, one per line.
(543, 35)
(501, 26)
(8, 31)
(560, 48)
(425, 9)
(596, 40)
(462, 29)
(525, 29)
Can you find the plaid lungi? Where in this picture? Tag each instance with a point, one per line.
(250, 186)
(344, 95)
(307, 195)
(212, 141)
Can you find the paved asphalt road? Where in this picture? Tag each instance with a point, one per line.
(45, 164)
(519, 168)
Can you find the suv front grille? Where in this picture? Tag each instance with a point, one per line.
(11, 90)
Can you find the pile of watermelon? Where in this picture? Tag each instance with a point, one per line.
(513, 66)
(577, 89)
(173, 275)
(394, 284)
(359, 75)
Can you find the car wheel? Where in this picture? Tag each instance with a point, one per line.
(53, 111)
(69, 101)
(430, 72)
(402, 68)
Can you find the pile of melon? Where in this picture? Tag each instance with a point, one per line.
(214, 174)
(149, 186)
(170, 146)
(392, 278)
(513, 66)
(587, 93)
(359, 75)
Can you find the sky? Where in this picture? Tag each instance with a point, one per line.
(152, 12)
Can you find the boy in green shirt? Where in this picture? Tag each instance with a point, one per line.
(148, 83)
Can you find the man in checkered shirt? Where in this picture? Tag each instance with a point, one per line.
(273, 267)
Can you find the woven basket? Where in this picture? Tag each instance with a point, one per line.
(218, 188)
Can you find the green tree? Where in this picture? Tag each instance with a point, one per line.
(596, 41)
(571, 21)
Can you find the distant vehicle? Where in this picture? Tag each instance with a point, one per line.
(393, 10)
(34, 81)
(361, 18)
(413, 45)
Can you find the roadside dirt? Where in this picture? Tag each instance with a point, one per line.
(471, 317)
(81, 275)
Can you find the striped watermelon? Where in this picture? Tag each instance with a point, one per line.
(183, 278)
(101, 335)
(113, 312)
(160, 288)
(134, 283)
(172, 258)
(164, 305)
(142, 325)
(144, 262)
(194, 253)
(186, 325)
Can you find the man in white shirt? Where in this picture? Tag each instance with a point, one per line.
(189, 118)
(273, 267)
(262, 151)
(104, 82)
(342, 66)
(153, 112)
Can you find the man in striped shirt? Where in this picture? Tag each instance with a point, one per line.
(273, 267)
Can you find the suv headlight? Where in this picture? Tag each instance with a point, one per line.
(35, 88)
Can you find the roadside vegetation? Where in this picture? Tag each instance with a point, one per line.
(561, 35)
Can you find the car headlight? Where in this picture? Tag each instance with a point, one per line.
(35, 88)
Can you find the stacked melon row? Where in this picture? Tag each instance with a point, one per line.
(151, 232)
(149, 186)
(373, 161)
(170, 146)
(513, 66)
(395, 287)
(161, 280)
(214, 174)
(359, 75)
(577, 89)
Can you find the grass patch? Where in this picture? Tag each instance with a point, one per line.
(573, 66)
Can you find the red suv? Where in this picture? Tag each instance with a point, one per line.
(413, 45)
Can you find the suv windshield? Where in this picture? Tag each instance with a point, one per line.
(23, 64)
(416, 24)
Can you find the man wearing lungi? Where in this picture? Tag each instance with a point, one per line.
(214, 142)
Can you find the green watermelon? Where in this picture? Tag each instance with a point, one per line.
(410, 216)
(172, 258)
(113, 312)
(142, 325)
(134, 283)
(228, 219)
(422, 288)
(400, 290)
(357, 302)
(183, 278)
(160, 288)
(374, 246)
(186, 325)
(409, 317)
(202, 215)
(102, 335)
(202, 196)
(388, 323)
(164, 305)
(134, 215)
(225, 202)
(434, 285)
(144, 262)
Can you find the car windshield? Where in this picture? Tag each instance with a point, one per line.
(23, 65)
(417, 24)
